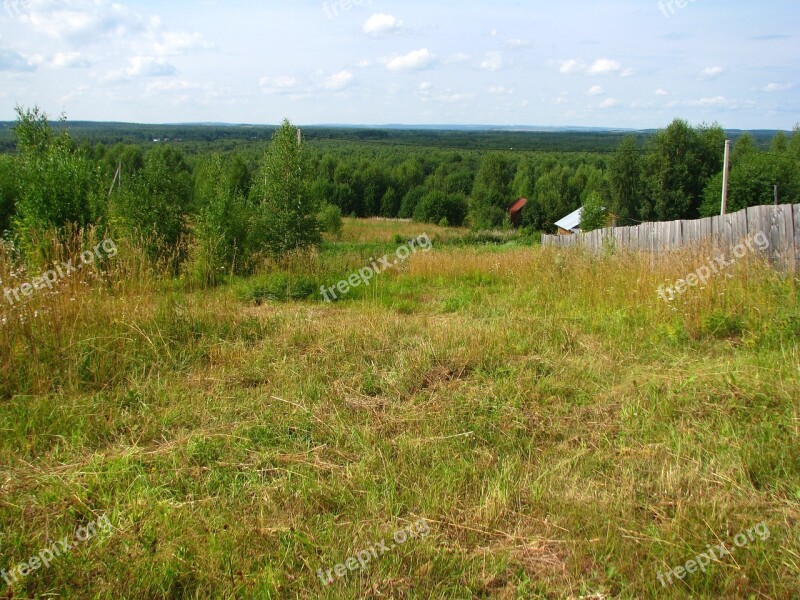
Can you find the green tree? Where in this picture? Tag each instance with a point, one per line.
(491, 194)
(594, 215)
(436, 205)
(221, 243)
(56, 183)
(678, 165)
(287, 211)
(153, 205)
(8, 191)
(625, 181)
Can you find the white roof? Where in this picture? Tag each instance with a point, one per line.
(571, 221)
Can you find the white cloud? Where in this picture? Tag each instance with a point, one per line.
(143, 66)
(14, 62)
(381, 24)
(518, 42)
(627, 73)
(363, 64)
(662, 92)
(339, 81)
(777, 87)
(500, 90)
(69, 60)
(716, 101)
(492, 62)
(569, 66)
(595, 90)
(604, 66)
(459, 57)
(609, 103)
(413, 61)
(278, 85)
(711, 72)
(425, 86)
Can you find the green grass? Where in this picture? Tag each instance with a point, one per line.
(565, 433)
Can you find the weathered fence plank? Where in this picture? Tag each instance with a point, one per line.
(780, 225)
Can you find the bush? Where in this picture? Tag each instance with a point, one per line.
(279, 287)
(436, 206)
(330, 219)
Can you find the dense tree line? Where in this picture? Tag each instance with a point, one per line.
(216, 212)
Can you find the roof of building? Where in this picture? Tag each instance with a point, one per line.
(518, 205)
(571, 221)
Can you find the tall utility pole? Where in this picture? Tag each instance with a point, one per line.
(725, 172)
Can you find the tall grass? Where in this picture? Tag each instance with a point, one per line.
(565, 432)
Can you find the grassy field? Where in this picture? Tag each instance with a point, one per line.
(562, 431)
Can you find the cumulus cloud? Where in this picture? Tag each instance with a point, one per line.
(143, 66)
(500, 90)
(69, 60)
(518, 42)
(715, 101)
(14, 62)
(604, 66)
(609, 103)
(662, 92)
(459, 57)
(569, 66)
(595, 90)
(711, 72)
(278, 85)
(777, 87)
(413, 61)
(381, 24)
(492, 62)
(338, 81)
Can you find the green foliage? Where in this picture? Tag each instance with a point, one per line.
(8, 191)
(678, 165)
(595, 214)
(752, 180)
(152, 205)
(56, 184)
(330, 219)
(279, 287)
(625, 180)
(436, 206)
(287, 217)
(491, 194)
(221, 241)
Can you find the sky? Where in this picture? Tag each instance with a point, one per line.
(617, 64)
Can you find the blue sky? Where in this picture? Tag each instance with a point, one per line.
(600, 63)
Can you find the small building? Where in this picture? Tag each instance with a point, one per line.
(515, 212)
(571, 224)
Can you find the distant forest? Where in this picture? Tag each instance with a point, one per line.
(170, 181)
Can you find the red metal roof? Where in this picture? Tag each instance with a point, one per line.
(518, 205)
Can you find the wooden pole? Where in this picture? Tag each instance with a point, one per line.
(725, 172)
(776, 194)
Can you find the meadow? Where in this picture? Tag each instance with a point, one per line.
(561, 430)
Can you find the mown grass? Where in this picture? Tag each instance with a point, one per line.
(565, 433)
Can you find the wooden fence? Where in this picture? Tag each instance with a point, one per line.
(780, 225)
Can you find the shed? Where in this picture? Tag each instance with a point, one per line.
(515, 212)
(570, 224)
